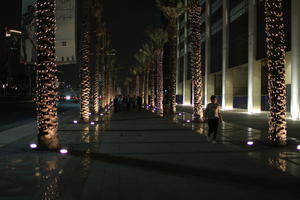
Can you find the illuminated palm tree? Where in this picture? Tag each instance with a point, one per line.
(97, 13)
(47, 82)
(102, 66)
(148, 50)
(194, 17)
(276, 71)
(84, 62)
(172, 9)
(139, 70)
(159, 37)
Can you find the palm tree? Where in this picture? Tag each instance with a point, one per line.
(148, 51)
(102, 66)
(84, 61)
(47, 81)
(276, 71)
(172, 9)
(97, 13)
(194, 17)
(139, 69)
(159, 37)
(110, 65)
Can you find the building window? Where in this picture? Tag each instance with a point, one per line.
(64, 44)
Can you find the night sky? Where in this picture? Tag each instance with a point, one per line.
(126, 21)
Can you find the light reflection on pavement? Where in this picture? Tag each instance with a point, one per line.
(285, 159)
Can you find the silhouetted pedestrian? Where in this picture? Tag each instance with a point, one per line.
(213, 115)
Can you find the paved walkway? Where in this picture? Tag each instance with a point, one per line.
(141, 156)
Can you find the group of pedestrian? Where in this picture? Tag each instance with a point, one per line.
(212, 113)
(129, 101)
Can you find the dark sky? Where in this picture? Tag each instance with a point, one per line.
(10, 15)
(126, 21)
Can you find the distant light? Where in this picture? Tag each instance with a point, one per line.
(90, 113)
(33, 146)
(250, 143)
(92, 123)
(63, 151)
(75, 122)
(188, 121)
(101, 114)
(180, 114)
(105, 110)
(68, 97)
(3, 86)
(298, 147)
(15, 31)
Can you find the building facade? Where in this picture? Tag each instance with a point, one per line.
(233, 55)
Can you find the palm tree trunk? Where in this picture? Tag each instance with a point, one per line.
(102, 82)
(106, 87)
(152, 99)
(84, 68)
(143, 88)
(172, 31)
(160, 80)
(147, 86)
(276, 71)
(96, 81)
(137, 84)
(195, 15)
(47, 82)
(85, 78)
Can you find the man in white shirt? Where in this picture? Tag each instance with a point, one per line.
(214, 117)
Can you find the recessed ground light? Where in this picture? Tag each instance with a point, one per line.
(63, 151)
(33, 146)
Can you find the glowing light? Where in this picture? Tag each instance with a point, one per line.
(188, 121)
(101, 114)
(298, 147)
(63, 151)
(92, 123)
(68, 97)
(250, 143)
(33, 146)
(75, 121)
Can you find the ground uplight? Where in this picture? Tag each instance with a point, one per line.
(33, 146)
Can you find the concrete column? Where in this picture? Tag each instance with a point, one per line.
(178, 58)
(186, 88)
(295, 86)
(227, 86)
(208, 81)
(254, 68)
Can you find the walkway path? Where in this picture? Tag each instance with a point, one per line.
(141, 156)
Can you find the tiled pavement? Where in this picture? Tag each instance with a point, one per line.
(139, 155)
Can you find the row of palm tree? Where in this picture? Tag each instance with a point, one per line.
(95, 68)
(172, 9)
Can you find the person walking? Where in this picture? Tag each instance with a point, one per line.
(213, 115)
